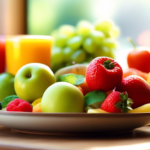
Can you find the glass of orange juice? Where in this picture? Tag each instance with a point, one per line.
(24, 49)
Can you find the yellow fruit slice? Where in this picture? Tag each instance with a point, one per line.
(148, 78)
(143, 108)
(96, 111)
(37, 108)
(36, 101)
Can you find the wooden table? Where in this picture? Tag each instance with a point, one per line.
(139, 139)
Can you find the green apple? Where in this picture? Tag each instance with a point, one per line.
(6, 85)
(62, 97)
(32, 80)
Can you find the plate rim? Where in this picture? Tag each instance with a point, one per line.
(87, 118)
(73, 114)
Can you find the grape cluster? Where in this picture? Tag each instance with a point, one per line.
(83, 43)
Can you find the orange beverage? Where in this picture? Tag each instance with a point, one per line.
(21, 50)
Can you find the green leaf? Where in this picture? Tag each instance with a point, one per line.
(119, 105)
(108, 64)
(72, 78)
(94, 97)
(7, 100)
(125, 103)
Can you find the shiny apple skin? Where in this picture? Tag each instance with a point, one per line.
(62, 97)
(32, 80)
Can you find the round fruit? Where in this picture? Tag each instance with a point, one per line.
(6, 85)
(78, 56)
(32, 80)
(103, 73)
(68, 30)
(19, 105)
(62, 97)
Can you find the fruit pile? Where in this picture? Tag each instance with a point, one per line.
(103, 89)
(36, 90)
(83, 43)
(128, 94)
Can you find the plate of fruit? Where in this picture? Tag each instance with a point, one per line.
(101, 101)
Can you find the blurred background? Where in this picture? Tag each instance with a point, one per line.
(44, 17)
(41, 17)
(132, 17)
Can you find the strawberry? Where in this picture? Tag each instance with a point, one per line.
(117, 102)
(103, 73)
(19, 105)
(137, 88)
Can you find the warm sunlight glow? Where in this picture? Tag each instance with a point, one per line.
(136, 147)
(104, 9)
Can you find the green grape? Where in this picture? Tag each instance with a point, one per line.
(104, 25)
(55, 66)
(113, 33)
(102, 51)
(75, 42)
(89, 45)
(110, 43)
(67, 52)
(105, 51)
(97, 36)
(78, 56)
(60, 40)
(108, 34)
(89, 58)
(67, 30)
(84, 28)
(57, 55)
(83, 42)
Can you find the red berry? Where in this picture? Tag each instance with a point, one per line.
(117, 102)
(103, 73)
(19, 105)
(137, 88)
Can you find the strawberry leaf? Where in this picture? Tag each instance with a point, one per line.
(7, 100)
(125, 103)
(119, 105)
(94, 99)
(72, 78)
(108, 64)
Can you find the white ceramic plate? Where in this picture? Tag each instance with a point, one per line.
(73, 122)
